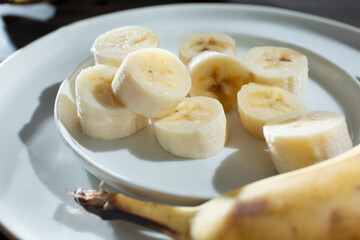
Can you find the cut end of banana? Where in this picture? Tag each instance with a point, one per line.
(151, 82)
(278, 66)
(112, 47)
(302, 139)
(219, 76)
(205, 41)
(100, 114)
(258, 103)
(197, 128)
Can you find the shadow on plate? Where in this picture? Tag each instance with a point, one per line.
(83, 222)
(54, 165)
(256, 163)
(142, 144)
(51, 160)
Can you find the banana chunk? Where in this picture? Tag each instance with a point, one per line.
(278, 66)
(219, 76)
(100, 114)
(197, 128)
(112, 47)
(301, 139)
(195, 43)
(258, 103)
(151, 82)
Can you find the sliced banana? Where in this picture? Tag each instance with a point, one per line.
(151, 82)
(219, 76)
(301, 139)
(196, 128)
(205, 41)
(258, 104)
(278, 66)
(112, 47)
(100, 114)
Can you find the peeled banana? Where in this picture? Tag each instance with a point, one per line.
(258, 104)
(317, 202)
(279, 66)
(151, 82)
(219, 76)
(196, 128)
(100, 114)
(301, 139)
(195, 43)
(113, 46)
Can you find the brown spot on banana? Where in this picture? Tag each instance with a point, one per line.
(250, 208)
(212, 41)
(294, 229)
(284, 59)
(205, 48)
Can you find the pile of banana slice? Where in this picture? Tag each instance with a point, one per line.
(186, 98)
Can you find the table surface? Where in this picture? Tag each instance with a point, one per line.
(22, 31)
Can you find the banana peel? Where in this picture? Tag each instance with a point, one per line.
(316, 202)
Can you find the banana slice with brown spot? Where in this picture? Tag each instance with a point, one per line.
(278, 66)
(100, 114)
(113, 46)
(219, 76)
(197, 128)
(206, 41)
(258, 104)
(151, 82)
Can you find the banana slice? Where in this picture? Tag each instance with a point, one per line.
(301, 139)
(205, 41)
(151, 82)
(100, 114)
(112, 47)
(281, 67)
(219, 76)
(197, 128)
(259, 103)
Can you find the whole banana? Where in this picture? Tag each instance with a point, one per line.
(317, 202)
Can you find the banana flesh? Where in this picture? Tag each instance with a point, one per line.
(317, 202)
(219, 76)
(113, 46)
(195, 43)
(151, 82)
(301, 139)
(196, 128)
(278, 66)
(100, 114)
(258, 104)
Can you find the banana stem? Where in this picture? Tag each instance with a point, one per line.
(169, 220)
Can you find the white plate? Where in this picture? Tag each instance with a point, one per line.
(37, 168)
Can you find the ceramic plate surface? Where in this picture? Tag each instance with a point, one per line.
(38, 168)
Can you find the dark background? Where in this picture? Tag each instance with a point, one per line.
(23, 31)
